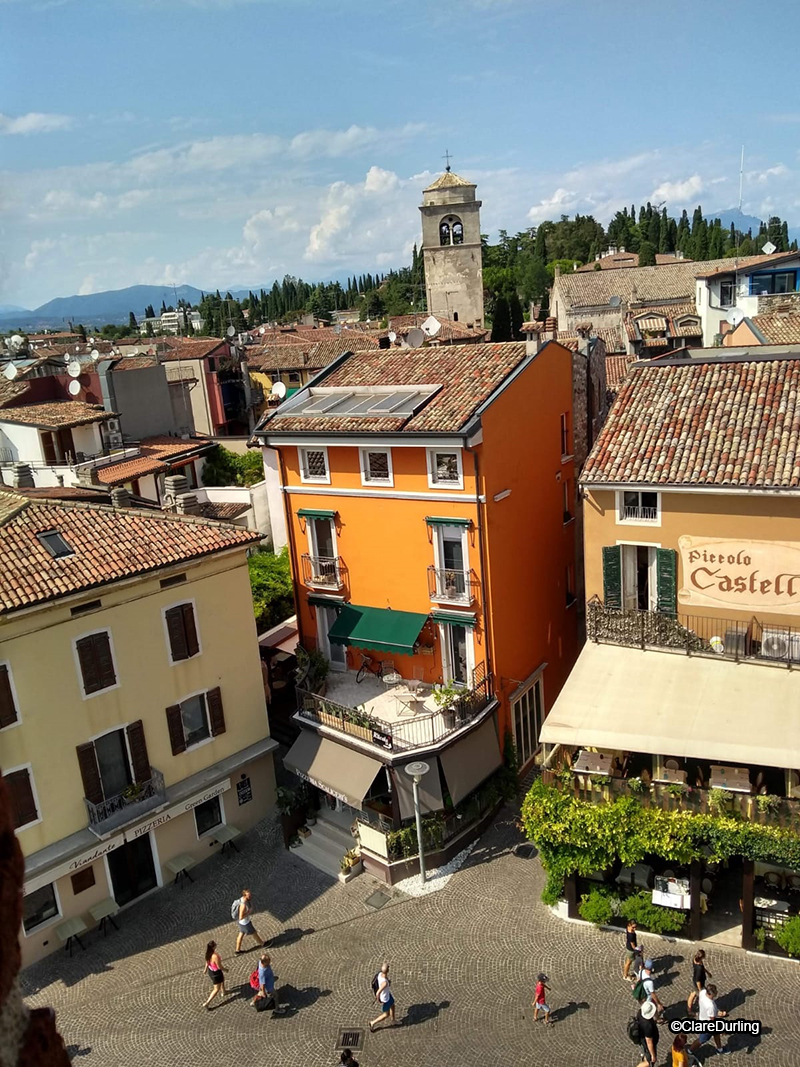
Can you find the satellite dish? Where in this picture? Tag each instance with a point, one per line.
(262, 331)
(74, 369)
(279, 390)
(392, 336)
(78, 347)
(735, 316)
(10, 372)
(74, 387)
(91, 340)
(231, 330)
(614, 301)
(415, 338)
(769, 248)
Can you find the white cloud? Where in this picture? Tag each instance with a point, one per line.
(678, 192)
(34, 122)
(36, 251)
(560, 203)
(763, 176)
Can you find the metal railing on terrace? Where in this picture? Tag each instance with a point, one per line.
(323, 572)
(737, 639)
(128, 805)
(451, 585)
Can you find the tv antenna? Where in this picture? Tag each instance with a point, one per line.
(741, 180)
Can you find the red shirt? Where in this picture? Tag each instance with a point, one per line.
(540, 997)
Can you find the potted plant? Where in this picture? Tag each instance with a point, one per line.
(285, 800)
(133, 793)
(304, 831)
(444, 696)
(351, 864)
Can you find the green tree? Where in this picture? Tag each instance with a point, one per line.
(223, 467)
(516, 316)
(271, 586)
(132, 323)
(80, 330)
(501, 320)
(647, 254)
(148, 330)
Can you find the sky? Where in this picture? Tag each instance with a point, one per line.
(225, 143)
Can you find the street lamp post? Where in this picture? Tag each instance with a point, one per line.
(415, 771)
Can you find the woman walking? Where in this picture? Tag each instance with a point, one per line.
(215, 971)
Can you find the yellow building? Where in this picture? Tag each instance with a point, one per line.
(133, 725)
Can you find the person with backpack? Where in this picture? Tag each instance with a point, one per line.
(540, 999)
(240, 910)
(644, 988)
(643, 1030)
(382, 988)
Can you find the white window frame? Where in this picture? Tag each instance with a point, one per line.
(176, 604)
(7, 664)
(438, 559)
(206, 740)
(301, 456)
(620, 508)
(447, 668)
(53, 919)
(313, 547)
(365, 478)
(432, 482)
(214, 829)
(29, 768)
(76, 657)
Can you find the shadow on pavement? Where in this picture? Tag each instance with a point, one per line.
(73, 1051)
(423, 1013)
(560, 1014)
(290, 936)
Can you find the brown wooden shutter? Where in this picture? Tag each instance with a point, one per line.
(190, 630)
(22, 803)
(215, 713)
(177, 635)
(91, 678)
(104, 660)
(8, 710)
(83, 879)
(138, 749)
(175, 726)
(90, 773)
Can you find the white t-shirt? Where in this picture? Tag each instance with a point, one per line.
(648, 984)
(383, 988)
(707, 1007)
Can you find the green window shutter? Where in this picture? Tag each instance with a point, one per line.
(612, 577)
(667, 580)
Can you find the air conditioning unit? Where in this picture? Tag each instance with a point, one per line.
(114, 440)
(112, 426)
(780, 645)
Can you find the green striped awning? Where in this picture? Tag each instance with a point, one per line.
(453, 618)
(380, 629)
(314, 513)
(438, 520)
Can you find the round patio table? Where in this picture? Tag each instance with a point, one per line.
(393, 678)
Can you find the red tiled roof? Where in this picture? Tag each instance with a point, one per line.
(56, 414)
(467, 375)
(729, 266)
(154, 457)
(779, 327)
(620, 260)
(617, 369)
(135, 363)
(720, 422)
(182, 348)
(109, 544)
(215, 509)
(609, 335)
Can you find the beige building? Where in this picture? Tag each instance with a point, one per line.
(689, 676)
(116, 784)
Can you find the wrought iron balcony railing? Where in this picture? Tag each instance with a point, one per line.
(128, 805)
(451, 585)
(322, 572)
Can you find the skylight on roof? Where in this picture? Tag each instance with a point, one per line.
(55, 544)
(397, 401)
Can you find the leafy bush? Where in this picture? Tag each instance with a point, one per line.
(554, 886)
(636, 785)
(597, 907)
(223, 467)
(719, 801)
(640, 908)
(788, 936)
(271, 584)
(768, 804)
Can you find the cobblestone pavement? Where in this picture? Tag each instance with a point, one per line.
(463, 961)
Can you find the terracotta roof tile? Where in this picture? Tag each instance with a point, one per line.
(611, 336)
(109, 544)
(617, 369)
(215, 509)
(448, 180)
(728, 266)
(56, 414)
(779, 327)
(183, 348)
(719, 422)
(467, 375)
(156, 454)
(621, 260)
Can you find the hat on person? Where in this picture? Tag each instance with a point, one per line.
(648, 1009)
(648, 964)
(543, 978)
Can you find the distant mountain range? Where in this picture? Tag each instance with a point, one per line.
(96, 309)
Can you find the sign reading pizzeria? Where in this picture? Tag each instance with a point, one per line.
(747, 575)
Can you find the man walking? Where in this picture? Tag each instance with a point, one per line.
(245, 923)
(631, 949)
(266, 983)
(540, 999)
(647, 987)
(648, 1031)
(383, 994)
(708, 1011)
(699, 978)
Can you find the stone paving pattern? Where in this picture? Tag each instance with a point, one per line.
(463, 962)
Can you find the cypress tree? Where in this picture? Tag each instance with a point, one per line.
(515, 316)
(132, 323)
(647, 254)
(501, 320)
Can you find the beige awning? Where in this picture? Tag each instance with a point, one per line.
(430, 789)
(670, 704)
(470, 761)
(338, 770)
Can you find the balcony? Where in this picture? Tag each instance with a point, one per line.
(394, 719)
(696, 635)
(322, 572)
(127, 806)
(634, 513)
(450, 586)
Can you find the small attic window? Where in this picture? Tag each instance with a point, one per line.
(55, 544)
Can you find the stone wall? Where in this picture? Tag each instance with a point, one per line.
(778, 302)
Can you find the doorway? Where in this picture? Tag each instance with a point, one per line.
(335, 654)
(132, 870)
(639, 577)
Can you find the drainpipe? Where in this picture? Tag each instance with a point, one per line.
(292, 548)
(482, 554)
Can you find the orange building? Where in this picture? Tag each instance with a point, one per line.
(430, 501)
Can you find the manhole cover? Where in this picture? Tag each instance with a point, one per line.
(350, 1038)
(377, 899)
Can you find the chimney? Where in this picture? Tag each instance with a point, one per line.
(187, 504)
(22, 476)
(120, 497)
(175, 484)
(87, 476)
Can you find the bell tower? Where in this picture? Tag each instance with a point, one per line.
(451, 249)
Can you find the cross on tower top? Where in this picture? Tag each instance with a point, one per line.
(446, 157)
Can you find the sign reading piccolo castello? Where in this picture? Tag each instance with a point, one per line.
(747, 575)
